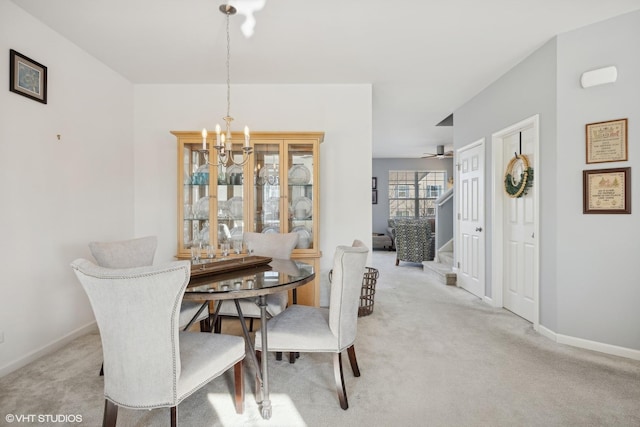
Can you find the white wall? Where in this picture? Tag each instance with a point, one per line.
(343, 112)
(57, 195)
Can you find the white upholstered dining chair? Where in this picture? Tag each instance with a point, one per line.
(140, 252)
(274, 245)
(306, 329)
(148, 362)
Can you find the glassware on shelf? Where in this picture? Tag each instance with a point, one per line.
(188, 211)
(202, 208)
(201, 175)
(224, 248)
(211, 251)
(234, 175)
(196, 247)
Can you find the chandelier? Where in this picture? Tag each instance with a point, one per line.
(223, 144)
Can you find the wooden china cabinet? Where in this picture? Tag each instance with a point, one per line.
(276, 191)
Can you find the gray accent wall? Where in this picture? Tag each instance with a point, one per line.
(589, 286)
(381, 168)
(526, 90)
(598, 287)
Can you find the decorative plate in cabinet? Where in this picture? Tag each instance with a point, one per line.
(299, 175)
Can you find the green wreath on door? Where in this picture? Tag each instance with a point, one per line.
(518, 176)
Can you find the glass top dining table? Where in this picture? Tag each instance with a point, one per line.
(277, 276)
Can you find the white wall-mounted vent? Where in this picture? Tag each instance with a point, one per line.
(599, 77)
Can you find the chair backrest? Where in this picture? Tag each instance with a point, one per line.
(125, 253)
(346, 283)
(137, 311)
(274, 245)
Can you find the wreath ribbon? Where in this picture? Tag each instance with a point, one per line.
(521, 188)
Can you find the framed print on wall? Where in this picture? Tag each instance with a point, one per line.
(606, 191)
(27, 77)
(607, 141)
(374, 197)
(374, 183)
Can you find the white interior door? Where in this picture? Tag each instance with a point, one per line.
(520, 266)
(470, 246)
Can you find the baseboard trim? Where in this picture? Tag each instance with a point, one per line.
(47, 349)
(614, 350)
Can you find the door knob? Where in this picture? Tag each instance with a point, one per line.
(478, 228)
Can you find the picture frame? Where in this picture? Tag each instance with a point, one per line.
(27, 77)
(374, 183)
(606, 141)
(606, 191)
(374, 197)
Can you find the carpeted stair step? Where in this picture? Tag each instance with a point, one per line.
(442, 272)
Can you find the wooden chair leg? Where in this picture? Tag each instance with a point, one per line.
(354, 362)
(293, 356)
(397, 261)
(337, 373)
(174, 416)
(217, 328)
(110, 414)
(251, 324)
(238, 379)
(278, 355)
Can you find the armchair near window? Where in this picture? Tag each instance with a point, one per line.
(414, 241)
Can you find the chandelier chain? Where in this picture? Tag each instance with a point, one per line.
(228, 69)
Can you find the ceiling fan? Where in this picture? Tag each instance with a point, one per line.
(440, 154)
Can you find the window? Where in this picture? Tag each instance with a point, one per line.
(412, 194)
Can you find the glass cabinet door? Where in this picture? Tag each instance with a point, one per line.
(196, 197)
(267, 195)
(301, 197)
(231, 199)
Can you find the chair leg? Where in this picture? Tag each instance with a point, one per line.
(293, 356)
(174, 416)
(397, 261)
(204, 325)
(110, 414)
(238, 379)
(337, 373)
(278, 355)
(354, 362)
(251, 324)
(217, 328)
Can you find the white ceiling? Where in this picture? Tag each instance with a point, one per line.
(424, 58)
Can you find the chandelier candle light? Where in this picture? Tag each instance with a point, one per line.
(224, 140)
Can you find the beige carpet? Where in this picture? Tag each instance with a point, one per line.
(429, 355)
